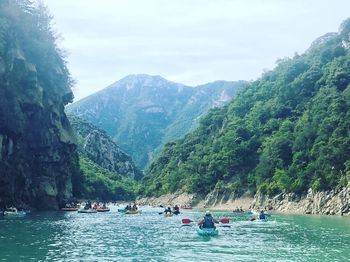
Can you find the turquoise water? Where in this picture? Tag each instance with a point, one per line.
(59, 236)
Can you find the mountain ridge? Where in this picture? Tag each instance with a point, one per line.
(138, 110)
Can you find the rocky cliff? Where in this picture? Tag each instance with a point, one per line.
(97, 146)
(37, 146)
(333, 202)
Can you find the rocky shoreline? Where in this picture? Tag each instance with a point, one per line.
(334, 202)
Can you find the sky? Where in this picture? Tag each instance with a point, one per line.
(187, 41)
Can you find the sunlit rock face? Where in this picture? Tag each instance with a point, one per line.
(37, 146)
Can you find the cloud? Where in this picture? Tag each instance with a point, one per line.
(188, 41)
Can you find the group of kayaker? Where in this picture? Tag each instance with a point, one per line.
(131, 207)
(238, 210)
(95, 205)
(175, 210)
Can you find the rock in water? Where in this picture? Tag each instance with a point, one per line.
(37, 146)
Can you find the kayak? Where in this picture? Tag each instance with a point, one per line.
(121, 210)
(189, 208)
(207, 231)
(252, 212)
(69, 209)
(262, 220)
(91, 210)
(132, 212)
(176, 212)
(102, 209)
(14, 213)
(168, 214)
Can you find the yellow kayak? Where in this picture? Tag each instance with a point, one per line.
(132, 212)
(168, 214)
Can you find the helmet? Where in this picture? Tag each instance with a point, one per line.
(207, 212)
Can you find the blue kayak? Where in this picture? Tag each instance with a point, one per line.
(207, 231)
(262, 220)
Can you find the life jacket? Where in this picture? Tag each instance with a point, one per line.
(262, 216)
(208, 222)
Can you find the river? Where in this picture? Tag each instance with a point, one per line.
(113, 236)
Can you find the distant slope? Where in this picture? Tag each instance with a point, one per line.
(95, 145)
(101, 184)
(286, 132)
(142, 112)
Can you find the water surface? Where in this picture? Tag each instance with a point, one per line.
(113, 236)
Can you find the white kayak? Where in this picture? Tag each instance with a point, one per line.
(90, 210)
(14, 213)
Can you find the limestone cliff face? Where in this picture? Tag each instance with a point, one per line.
(333, 202)
(96, 145)
(37, 146)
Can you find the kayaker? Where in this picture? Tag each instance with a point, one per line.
(176, 210)
(11, 209)
(208, 221)
(167, 210)
(88, 205)
(262, 215)
(134, 207)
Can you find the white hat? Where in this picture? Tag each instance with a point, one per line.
(207, 212)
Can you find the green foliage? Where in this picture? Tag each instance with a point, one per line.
(27, 25)
(99, 183)
(142, 113)
(286, 132)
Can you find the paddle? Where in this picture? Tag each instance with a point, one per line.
(224, 220)
(186, 221)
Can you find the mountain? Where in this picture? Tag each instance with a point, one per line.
(98, 147)
(142, 112)
(38, 156)
(288, 131)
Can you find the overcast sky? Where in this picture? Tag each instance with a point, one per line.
(186, 41)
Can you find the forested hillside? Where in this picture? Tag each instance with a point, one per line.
(286, 132)
(107, 173)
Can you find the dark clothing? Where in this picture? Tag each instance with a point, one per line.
(208, 222)
(168, 210)
(262, 216)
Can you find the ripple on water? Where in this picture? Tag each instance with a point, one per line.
(58, 236)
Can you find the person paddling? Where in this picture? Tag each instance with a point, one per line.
(167, 210)
(208, 221)
(176, 210)
(262, 215)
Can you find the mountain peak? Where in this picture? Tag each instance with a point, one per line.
(144, 80)
(142, 77)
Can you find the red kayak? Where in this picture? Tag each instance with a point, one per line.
(102, 209)
(69, 209)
